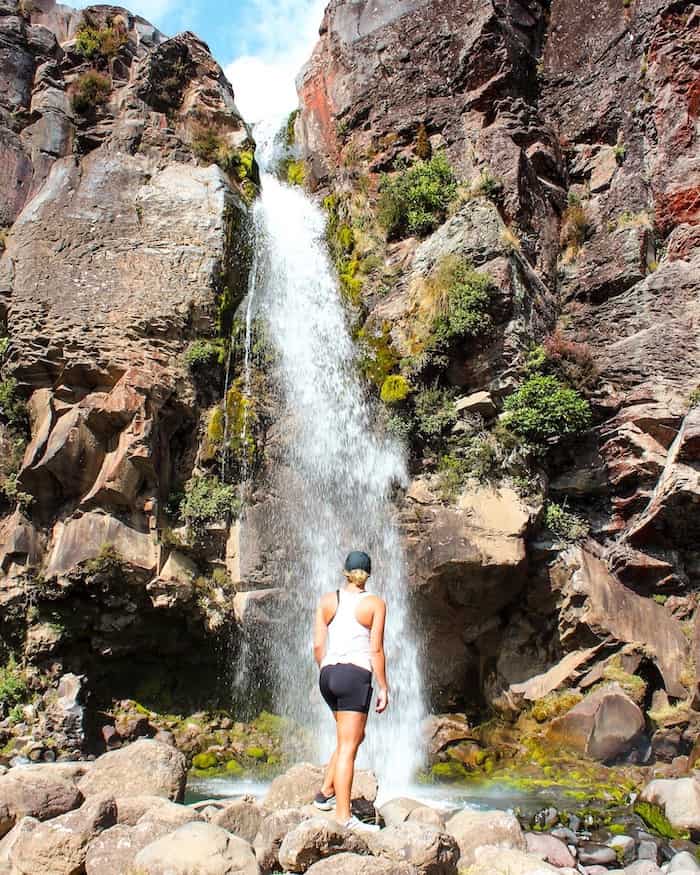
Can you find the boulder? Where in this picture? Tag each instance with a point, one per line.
(507, 861)
(59, 846)
(197, 848)
(65, 713)
(241, 817)
(130, 809)
(313, 840)
(593, 603)
(680, 799)
(30, 791)
(427, 816)
(145, 767)
(474, 830)
(396, 811)
(550, 849)
(605, 725)
(429, 850)
(115, 849)
(442, 730)
(300, 784)
(170, 815)
(271, 834)
(354, 864)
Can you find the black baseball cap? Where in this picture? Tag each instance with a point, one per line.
(357, 560)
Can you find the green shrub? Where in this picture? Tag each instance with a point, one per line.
(435, 412)
(543, 410)
(415, 201)
(105, 42)
(13, 686)
(487, 185)
(12, 408)
(240, 412)
(208, 500)
(395, 389)
(467, 307)
(694, 398)
(4, 348)
(377, 355)
(289, 128)
(91, 90)
(9, 488)
(296, 172)
(205, 354)
(564, 524)
(572, 362)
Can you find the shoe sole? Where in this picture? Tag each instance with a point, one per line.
(325, 806)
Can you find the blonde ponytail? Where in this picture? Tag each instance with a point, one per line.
(358, 576)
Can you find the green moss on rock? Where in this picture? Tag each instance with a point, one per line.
(234, 768)
(256, 753)
(204, 761)
(449, 772)
(395, 389)
(657, 821)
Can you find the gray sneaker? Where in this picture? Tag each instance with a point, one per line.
(324, 803)
(360, 826)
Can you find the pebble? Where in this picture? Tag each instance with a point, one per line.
(596, 855)
(648, 851)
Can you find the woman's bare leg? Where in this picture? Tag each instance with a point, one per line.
(350, 730)
(328, 786)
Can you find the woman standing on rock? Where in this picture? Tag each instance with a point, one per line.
(349, 646)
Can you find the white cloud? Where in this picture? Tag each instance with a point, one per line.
(278, 40)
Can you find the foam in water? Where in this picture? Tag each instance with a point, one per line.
(336, 477)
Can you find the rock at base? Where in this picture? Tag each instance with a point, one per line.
(354, 864)
(507, 861)
(314, 840)
(430, 850)
(195, 848)
(475, 830)
(241, 817)
(34, 792)
(300, 784)
(145, 767)
(604, 726)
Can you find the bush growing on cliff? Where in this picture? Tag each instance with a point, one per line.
(12, 408)
(91, 90)
(572, 362)
(395, 389)
(466, 308)
(208, 500)
(416, 200)
(13, 686)
(543, 410)
(435, 413)
(204, 354)
(576, 228)
(91, 42)
(564, 524)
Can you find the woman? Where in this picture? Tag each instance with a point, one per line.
(349, 646)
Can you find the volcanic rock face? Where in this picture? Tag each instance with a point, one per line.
(125, 238)
(585, 129)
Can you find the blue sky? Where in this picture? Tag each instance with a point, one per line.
(260, 43)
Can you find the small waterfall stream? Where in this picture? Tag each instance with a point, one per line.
(336, 476)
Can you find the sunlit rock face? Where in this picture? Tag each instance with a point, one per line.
(123, 239)
(565, 113)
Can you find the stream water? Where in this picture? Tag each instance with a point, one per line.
(335, 474)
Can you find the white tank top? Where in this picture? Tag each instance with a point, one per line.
(348, 639)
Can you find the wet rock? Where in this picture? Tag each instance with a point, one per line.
(197, 847)
(625, 847)
(241, 817)
(680, 799)
(549, 849)
(315, 839)
(299, 785)
(605, 725)
(648, 850)
(590, 854)
(442, 730)
(429, 850)
(474, 830)
(396, 811)
(354, 864)
(35, 792)
(145, 767)
(59, 846)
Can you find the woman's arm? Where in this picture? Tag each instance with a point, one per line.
(320, 634)
(376, 642)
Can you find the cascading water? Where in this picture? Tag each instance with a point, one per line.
(336, 478)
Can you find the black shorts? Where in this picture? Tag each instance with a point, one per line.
(346, 687)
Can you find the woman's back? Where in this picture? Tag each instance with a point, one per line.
(348, 639)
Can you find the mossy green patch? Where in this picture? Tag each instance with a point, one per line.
(204, 761)
(256, 753)
(656, 820)
(449, 772)
(234, 768)
(554, 704)
(395, 389)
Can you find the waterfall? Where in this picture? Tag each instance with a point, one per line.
(336, 478)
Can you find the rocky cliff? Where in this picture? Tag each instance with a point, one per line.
(513, 198)
(127, 176)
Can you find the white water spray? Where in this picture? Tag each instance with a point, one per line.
(336, 479)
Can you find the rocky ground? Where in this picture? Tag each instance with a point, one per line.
(124, 813)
